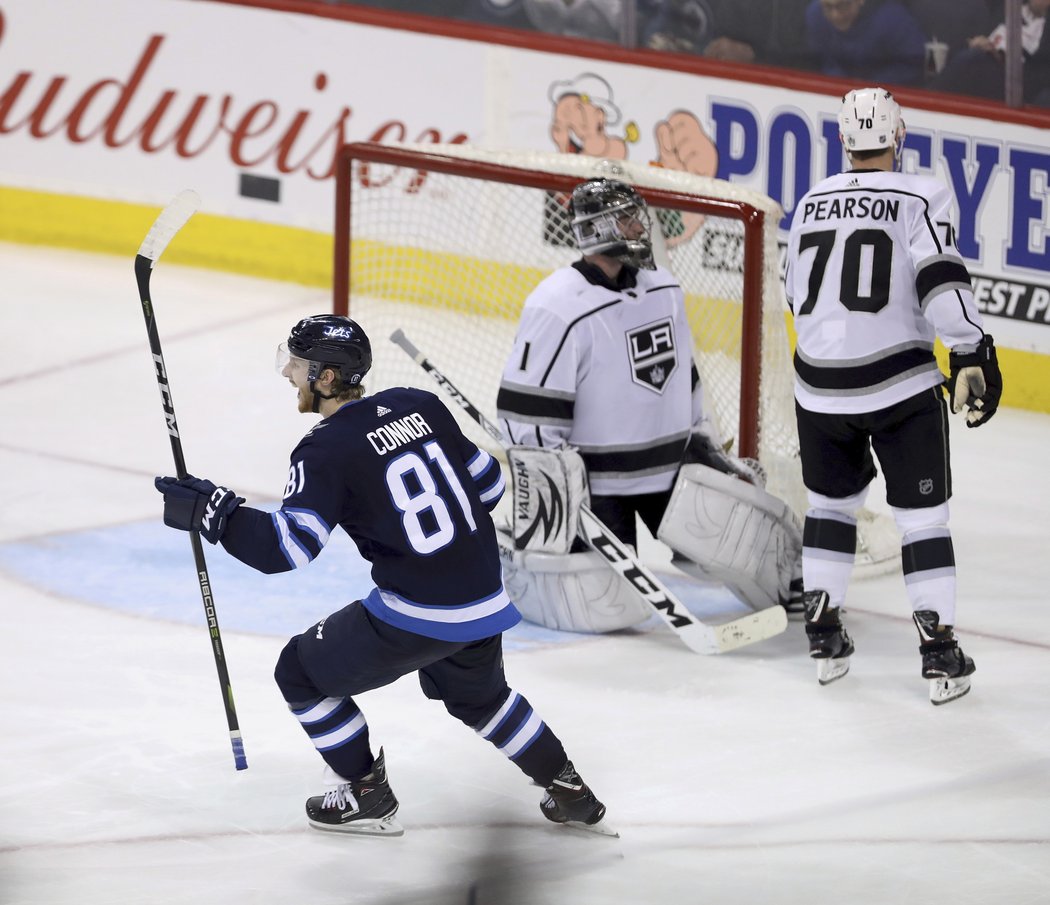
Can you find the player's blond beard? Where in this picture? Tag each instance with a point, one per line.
(306, 398)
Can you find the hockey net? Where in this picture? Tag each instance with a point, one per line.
(446, 241)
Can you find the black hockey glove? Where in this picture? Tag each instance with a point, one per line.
(701, 450)
(975, 383)
(194, 504)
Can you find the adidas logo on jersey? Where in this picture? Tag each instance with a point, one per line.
(382, 410)
(853, 183)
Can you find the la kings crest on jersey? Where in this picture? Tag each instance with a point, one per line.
(652, 353)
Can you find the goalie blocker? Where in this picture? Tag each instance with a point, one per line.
(550, 585)
(721, 528)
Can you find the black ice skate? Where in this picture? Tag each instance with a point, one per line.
(829, 644)
(943, 661)
(363, 806)
(568, 800)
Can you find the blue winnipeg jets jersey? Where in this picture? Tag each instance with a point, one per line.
(394, 471)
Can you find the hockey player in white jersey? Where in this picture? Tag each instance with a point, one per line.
(873, 276)
(601, 399)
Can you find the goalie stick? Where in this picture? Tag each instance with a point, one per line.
(164, 228)
(698, 636)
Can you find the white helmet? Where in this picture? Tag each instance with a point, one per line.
(870, 120)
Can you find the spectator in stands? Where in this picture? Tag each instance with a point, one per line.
(980, 70)
(953, 22)
(596, 20)
(870, 41)
(771, 32)
(679, 26)
(507, 13)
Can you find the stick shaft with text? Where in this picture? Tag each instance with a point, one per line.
(167, 224)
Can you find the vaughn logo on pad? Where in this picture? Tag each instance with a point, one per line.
(652, 353)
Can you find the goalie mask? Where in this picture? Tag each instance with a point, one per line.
(870, 120)
(610, 218)
(328, 341)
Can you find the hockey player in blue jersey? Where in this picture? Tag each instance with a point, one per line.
(394, 471)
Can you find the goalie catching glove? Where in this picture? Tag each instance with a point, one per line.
(975, 382)
(703, 450)
(195, 504)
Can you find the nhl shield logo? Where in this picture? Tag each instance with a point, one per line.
(651, 350)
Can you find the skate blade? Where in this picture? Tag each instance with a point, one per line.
(601, 828)
(944, 690)
(831, 669)
(383, 826)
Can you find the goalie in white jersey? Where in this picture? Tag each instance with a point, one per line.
(600, 396)
(873, 276)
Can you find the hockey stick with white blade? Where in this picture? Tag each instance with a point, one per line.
(167, 224)
(697, 635)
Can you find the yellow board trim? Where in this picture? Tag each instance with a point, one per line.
(286, 253)
(470, 286)
(218, 243)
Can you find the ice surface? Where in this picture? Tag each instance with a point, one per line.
(732, 779)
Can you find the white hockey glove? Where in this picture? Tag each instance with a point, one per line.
(550, 486)
(975, 382)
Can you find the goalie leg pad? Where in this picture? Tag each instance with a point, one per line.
(571, 592)
(735, 533)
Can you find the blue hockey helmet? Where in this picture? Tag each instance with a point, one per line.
(331, 341)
